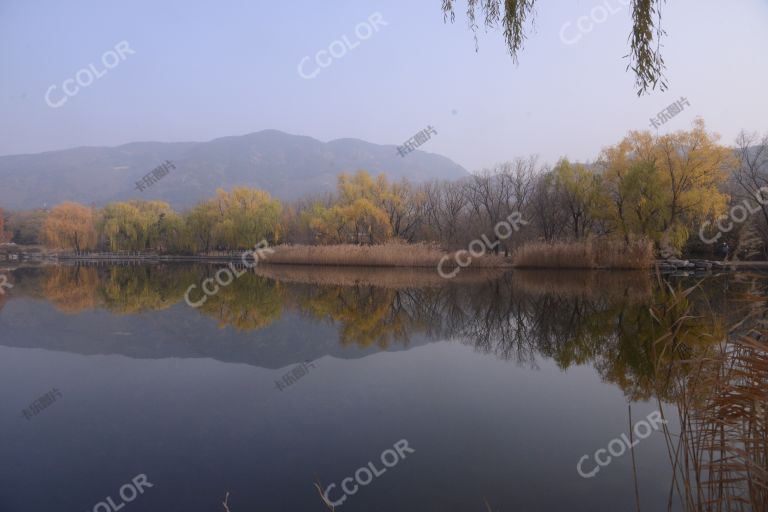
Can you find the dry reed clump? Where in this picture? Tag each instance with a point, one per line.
(386, 255)
(720, 456)
(393, 254)
(586, 254)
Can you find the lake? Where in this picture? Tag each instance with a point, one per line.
(406, 391)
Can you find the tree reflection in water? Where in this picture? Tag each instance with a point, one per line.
(696, 347)
(605, 319)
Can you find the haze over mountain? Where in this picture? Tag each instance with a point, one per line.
(288, 166)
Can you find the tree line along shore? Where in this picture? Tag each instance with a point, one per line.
(644, 196)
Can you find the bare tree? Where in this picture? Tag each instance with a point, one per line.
(521, 182)
(751, 176)
(405, 205)
(488, 195)
(445, 204)
(546, 206)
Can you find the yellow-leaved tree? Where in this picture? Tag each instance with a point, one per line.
(358, 214)
(662, 187)
(244, 217)
(692, 165)
(70, 225)
(580, 193)
(140, 225)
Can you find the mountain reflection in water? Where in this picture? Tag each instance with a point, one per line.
(675, 345)
(571, 317)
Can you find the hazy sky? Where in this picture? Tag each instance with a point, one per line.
(206, 69)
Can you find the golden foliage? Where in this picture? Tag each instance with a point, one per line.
(72, 289)
(140, 225)
(70, 225)
(244, 216)
(657, 187)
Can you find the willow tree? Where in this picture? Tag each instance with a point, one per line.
(200, 223)
(661, 187)
(514, 16)
(140, 225)
(70, 225)
(580, 190)
(636, 197)
(692, 166)
(358, 214)
(245, 217)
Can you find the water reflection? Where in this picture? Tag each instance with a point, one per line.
(670, 342)
(718, 385)
(615, 321)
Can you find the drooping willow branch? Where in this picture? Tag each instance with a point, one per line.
(513, 16)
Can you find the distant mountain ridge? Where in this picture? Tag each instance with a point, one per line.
(287, 166)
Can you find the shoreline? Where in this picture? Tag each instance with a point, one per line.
(404, 256)
(664, 266)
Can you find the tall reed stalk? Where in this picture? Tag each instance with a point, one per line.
(720, 456)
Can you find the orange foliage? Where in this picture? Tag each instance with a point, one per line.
(70, 225)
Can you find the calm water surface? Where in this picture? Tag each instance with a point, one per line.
(499, 383)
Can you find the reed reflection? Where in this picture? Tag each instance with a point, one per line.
(696, 347)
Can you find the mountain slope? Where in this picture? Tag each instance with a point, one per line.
(288, 166)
